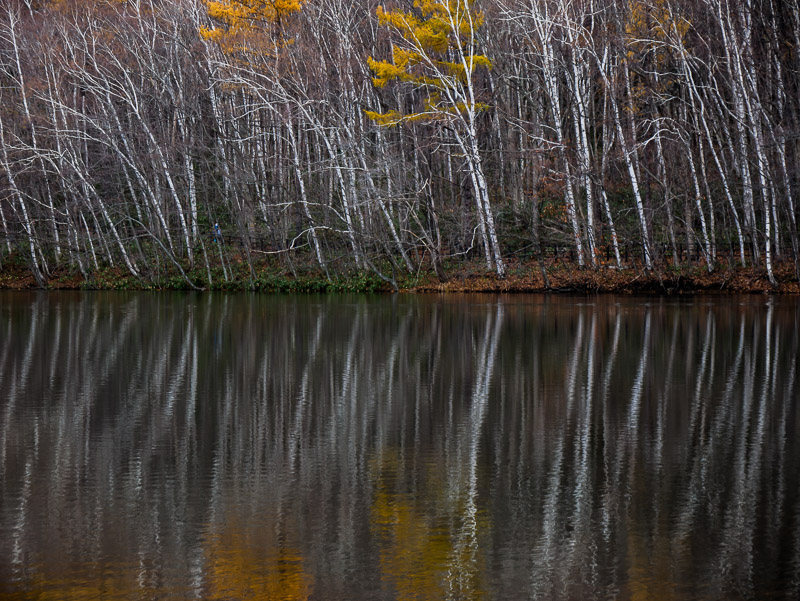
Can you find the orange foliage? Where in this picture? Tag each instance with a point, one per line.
(241, 23)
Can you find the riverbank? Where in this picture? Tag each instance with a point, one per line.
(563, 277)
(523, 276)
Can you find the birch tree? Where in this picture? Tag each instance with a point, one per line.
(435, 50)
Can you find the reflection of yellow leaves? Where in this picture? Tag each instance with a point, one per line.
(414, 553)
(424, 551)
(239, 563)
(116, 585)
(649, 569)
(238, 569)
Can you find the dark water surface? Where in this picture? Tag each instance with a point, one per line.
(179, 446)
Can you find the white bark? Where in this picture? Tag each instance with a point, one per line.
(301, 184)
(13, 20)
(627, 153)
(26, 220)
(544, 28)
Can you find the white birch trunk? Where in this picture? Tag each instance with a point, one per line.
(581, 138)
(545, 33)
(13, 19)
(303, 195)
(26, 220)
(628, 156)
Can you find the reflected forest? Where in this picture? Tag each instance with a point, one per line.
(196, 142)
(268, 447)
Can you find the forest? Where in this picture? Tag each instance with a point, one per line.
(210, 140)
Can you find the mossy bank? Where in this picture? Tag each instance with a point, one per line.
(522, 276)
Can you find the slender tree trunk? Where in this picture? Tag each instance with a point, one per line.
(555, 102)
(629, 162)
(26, 220)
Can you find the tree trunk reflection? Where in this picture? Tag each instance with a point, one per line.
(256, 447)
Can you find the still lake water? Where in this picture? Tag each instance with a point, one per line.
(182, 446)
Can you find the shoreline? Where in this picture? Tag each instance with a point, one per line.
(688, 279)
(522, 277)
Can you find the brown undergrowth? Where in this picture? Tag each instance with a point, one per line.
(565, 277)
(522, 276)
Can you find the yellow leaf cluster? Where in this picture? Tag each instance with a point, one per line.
(653, 26)
(240, 22)
(430, 34)
(384, 72)
(389, 119)
(247, 14)
(443, 22)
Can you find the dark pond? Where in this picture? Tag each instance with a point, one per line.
(176, 446)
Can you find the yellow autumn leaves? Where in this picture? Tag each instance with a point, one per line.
(438, 31)
(654, 27)
(435, 49)
(241, 22)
